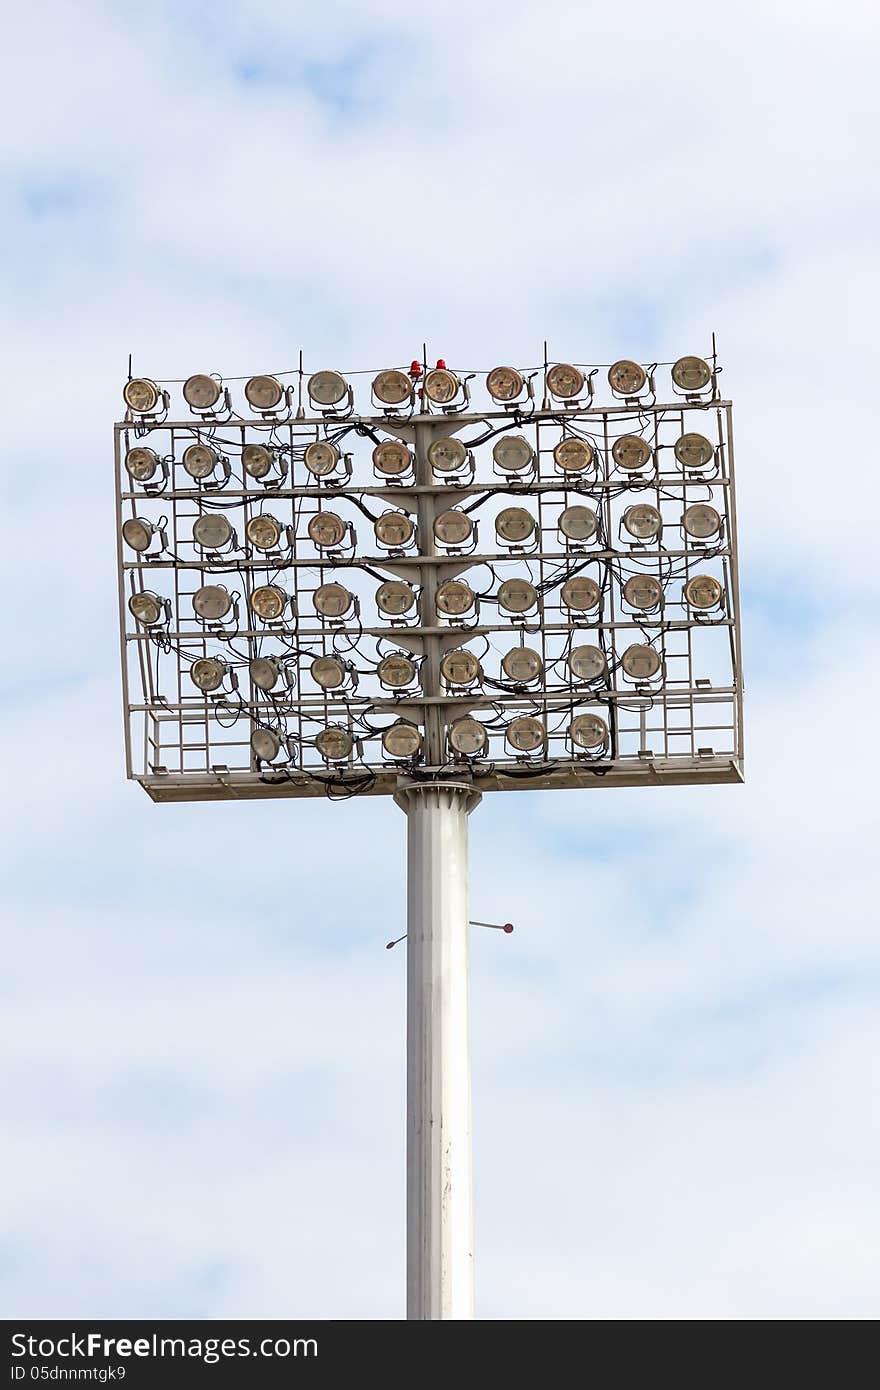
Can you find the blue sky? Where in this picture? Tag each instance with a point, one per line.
(675, 1054)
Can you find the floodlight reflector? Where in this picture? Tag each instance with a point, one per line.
(512, 453)
(199, 460)
(441, 386)
(326, 529)
(396, 670)
(207, 673)
(588, 731)
(391, 458)
(141, 463)
(581, 593)
(642, 521)
(147, 607)
(212, 531)
(504, 383)
(630, 452)
(587, 663)
(514, 524)
(394, 529)
(332, 600)
(517, 595)
(392, 387)
(264, 532)
(268, 602)
(201, 392)
(256, 460)
(565, 381)
(320, 458)
(572, 455)
(694, 451)
(643, 591)
(266, 744)
(334, 743)
(265, 672)
(447, 455)
(264, 392)
(212, 602)
(579, 523)
(626, 378)
(703, 591)
(453, 527)
(141, 395)
(468, 737)
(691, 373)
(460, 667)
(138, 533)
(454, 597)
(526, 734)
(402, 740)
(328, 672)
(522, 665)
(327, 388)
(640, 662)
(701, 521)
(395, 598)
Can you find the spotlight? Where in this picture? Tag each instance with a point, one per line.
(468, 737)
(394, 529)
(630, 451)
(642, 521)
(504, 384)
(200, 460)
(512, 453)
(332, 600)
(581, 593)
(588, 731)
(208, 672)
(391, 458)
(320, 458)
(402, 740)
(522, 665)
(626, 378)
(447, 455)
(264, 392)
(579, 523)
(395, 598)
(326, 529)
(211, 603)
(453, 527)
(587, 663)
(201, 392)
(141, 463)
(212, 531)
(328, 388)
(514, 524)
(694, 451)
(392, 388)
(703, 591)
(141, 395)
(265, 672)
(264, 532)
(565, 381)
(525, 734)
(701, 521)
(517, 595)
(396, 670)
(268, 602)
(640, 663)
(454, 597)
(257, 460)
(441, 386)
(691, 373)
(572, 455)
(334, 744)
(460, 667)
(138, 533)
(642, 591)
(328, 672)
(266, 744)
(147, 607)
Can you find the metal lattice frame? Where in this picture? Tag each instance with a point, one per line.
(683, 726)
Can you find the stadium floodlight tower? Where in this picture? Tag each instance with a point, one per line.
(432, 586)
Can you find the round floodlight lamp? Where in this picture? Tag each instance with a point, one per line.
(392, 458)
(392, 388)
(138, 533)
(453, 527)
(526, 734)
(630, 452)
(565, 381)
(588, 731)
(701, 521)
(514, 524)
(703, 591)
(581, 593)
(148, 608)
(694, 451)
(332, 600)
(640, 663)
(265, 744)
(402, 740)
(512, 453)
(642, 591)
(587, 663)
(201, 392)
(327, 388)
(522, 665)
(504, 384)
(441, 386)
(328, 672)
(517, 595)
(141, 395)
(454, 597)
(579, 523)
(264, 393)
(265, 672)
(264, 532)
(212, 531)
(334, 744)
(199, 460)
(326, 529)
(320, 458)
(141, 463)
(447, 455)
(395, 597)
(268, 602)
(396, 670)
(572, 455)
(394, 529)
(627, 378)
(468, 737)
(642, 521)
(460, 667)
(691, 374)
(257, 460)
(211, 603)
(207, 673)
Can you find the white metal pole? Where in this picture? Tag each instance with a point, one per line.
(439, 1181)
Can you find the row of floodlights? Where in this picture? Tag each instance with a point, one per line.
(213, 532)
(511, 454)
(396, 390)
(454, 598)
(467, 738)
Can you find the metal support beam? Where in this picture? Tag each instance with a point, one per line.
(439, 1179)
